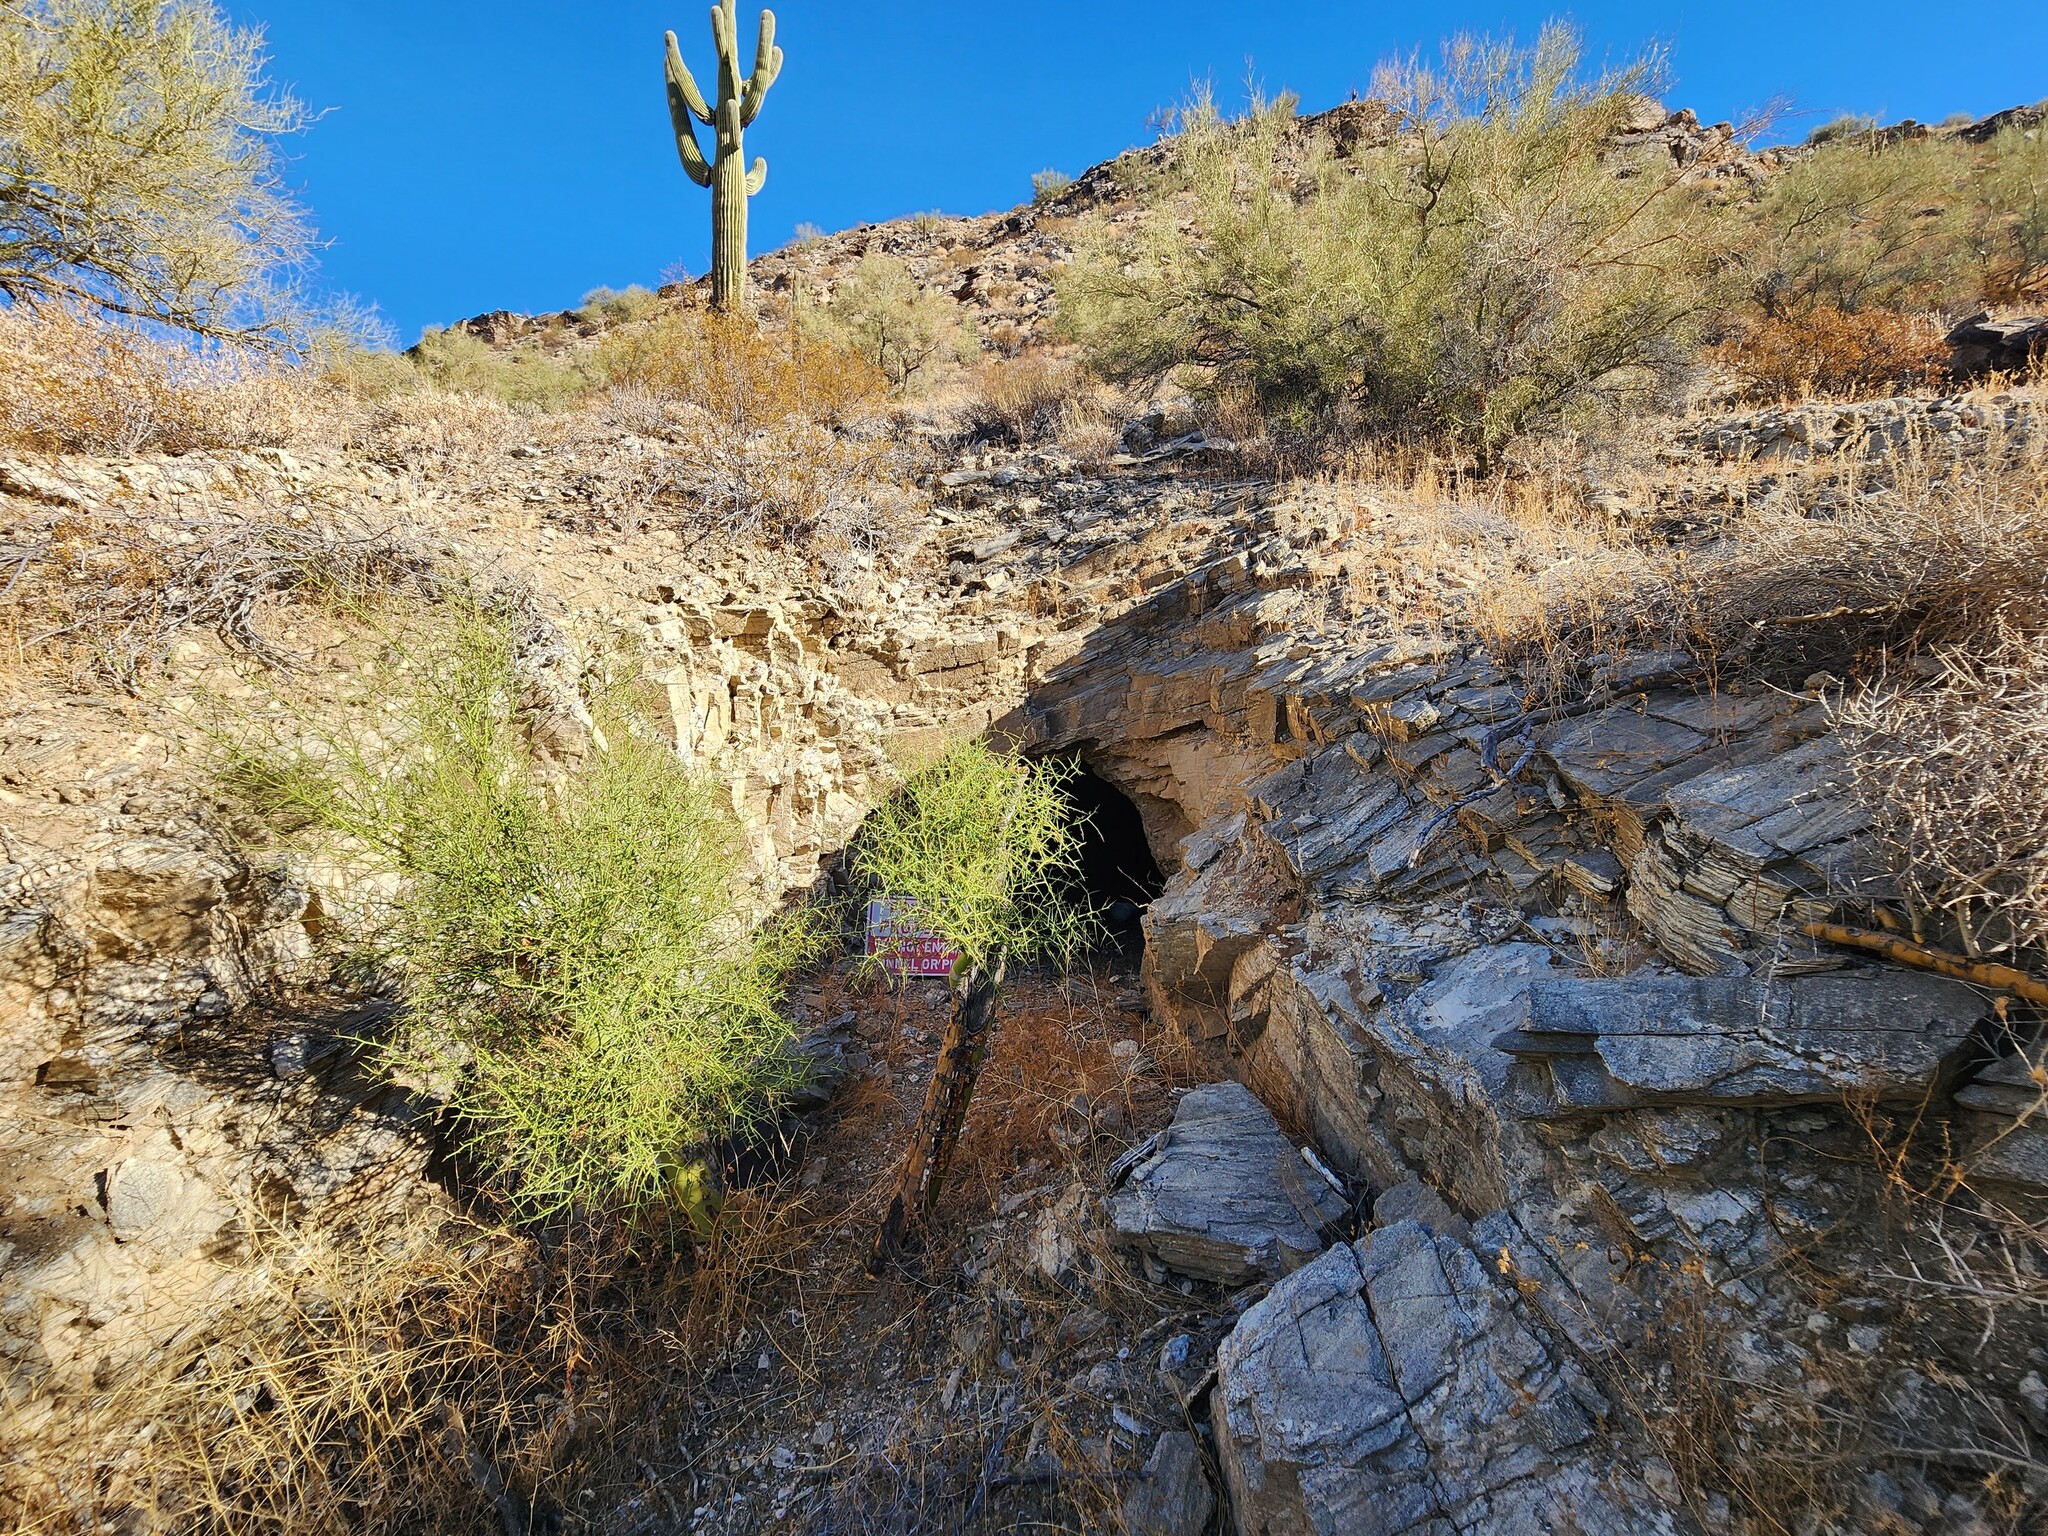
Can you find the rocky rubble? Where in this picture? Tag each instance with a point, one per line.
(1222, 1196)
(1869, 429)
(1389, 1388)
(1545, 969)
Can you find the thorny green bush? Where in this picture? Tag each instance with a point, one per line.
(576, 953)
(1868, 221)
(461, 363)
(986, 848)
(1488, 263)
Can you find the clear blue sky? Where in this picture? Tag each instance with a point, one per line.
(514, 154)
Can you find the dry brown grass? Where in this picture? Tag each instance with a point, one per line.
(743, 374)
(69, 384)
(1828, 351)
(1035, 398)
(410, 1385)
(768, 434)
(1879, 568)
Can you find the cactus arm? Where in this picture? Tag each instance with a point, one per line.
(694, 164)
(767, 65)
(681, 83)
(725, 34)
(758, 176)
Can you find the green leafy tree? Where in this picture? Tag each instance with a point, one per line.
(137, 169)
(985, 848)
(1489, 262)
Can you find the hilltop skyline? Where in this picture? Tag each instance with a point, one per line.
(473, 158)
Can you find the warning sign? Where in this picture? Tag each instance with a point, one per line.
(905, 948)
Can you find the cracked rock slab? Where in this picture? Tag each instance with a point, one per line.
(1389, 1388)
(1618, 1044)
(1223, 1196)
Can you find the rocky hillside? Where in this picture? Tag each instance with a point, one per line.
(1532, 1105)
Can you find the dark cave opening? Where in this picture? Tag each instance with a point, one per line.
(1118, 875)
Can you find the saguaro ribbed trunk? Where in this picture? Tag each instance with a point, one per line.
(945, 1108)
(728, 217)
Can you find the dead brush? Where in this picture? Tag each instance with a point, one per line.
(1926, 555)
(435, 433)
(108, 596)
(69, 384)
(1954, 768)
(1830, 351)
(323, 1403)
(1019, 401)
(1769, 1443)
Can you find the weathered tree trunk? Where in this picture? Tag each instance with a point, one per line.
(945, 1109)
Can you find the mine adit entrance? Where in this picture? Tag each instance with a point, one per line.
(1118, 875)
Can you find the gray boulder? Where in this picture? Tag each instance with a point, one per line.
(1389, 1387)
(2008, 344)
(1172, 1497)
(1222, 1195)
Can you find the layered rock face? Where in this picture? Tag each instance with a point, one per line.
(1547, 967)
(1531, 979)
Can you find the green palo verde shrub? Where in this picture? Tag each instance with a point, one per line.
(1489, 262)
(576, 954)
(986, 848)
(462, 363)
(880, 312)
(139, 169)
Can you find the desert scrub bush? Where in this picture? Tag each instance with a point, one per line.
(758, 422)
(983, 850)
(137, 169)
(909, 336)
(1830, 351)
(2009, 222)
(578, 956)
(1919, 603)
(740, 373)
(1021, 400)
(1868, 222)
(105, 596)
(617, 306)
(1047, 185)
(460, 363)
(1860, 223)
(74, 383)
(1490, 265)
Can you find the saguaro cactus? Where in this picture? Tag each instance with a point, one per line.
(739, 103)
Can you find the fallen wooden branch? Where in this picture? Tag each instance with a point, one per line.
(2001, 978)
(945, 1109)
